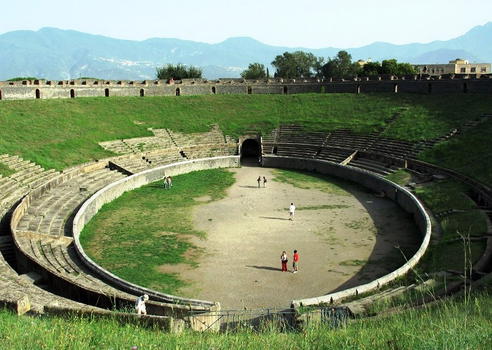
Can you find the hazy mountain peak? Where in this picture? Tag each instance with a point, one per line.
(54, 53)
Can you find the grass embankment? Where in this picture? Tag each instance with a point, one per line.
(469, 154)
(468, 221)
(151, 227)
(450, 325)
(60, 133)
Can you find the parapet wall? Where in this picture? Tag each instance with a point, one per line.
(406, 200)
(42, 89)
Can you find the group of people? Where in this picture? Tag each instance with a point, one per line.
(259, 181)
(295, 261)
(168, 182)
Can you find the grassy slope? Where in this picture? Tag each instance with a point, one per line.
(442, 196)
(59, 133)
(149, 227)
(469, 154)
(451, 325)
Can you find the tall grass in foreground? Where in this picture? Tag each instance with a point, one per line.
(450, 325)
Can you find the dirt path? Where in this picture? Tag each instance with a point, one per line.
(248, 230)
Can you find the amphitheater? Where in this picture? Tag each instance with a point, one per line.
(44, 269)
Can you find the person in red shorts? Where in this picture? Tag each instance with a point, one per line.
(284, 260)
(295, 263)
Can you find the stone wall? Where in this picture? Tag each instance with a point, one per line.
(95, 88)
(406, 200)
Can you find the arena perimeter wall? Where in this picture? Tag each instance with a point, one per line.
(116, 189)
(406, 200)
(95, 88)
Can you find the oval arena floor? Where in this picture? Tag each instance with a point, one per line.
(344, 239)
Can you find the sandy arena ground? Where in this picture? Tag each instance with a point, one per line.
(248, 230)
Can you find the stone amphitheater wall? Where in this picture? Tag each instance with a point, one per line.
(398, 194)
(94, 88)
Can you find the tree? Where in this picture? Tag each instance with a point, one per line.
(297, 64)
(340, 66)
(179, 71)
(389, 67)
(371, 68)
(255, 71)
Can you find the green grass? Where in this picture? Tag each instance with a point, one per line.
(400, 177)
(446, 195)
(313, 181)
(453, 324)
(151, 227)
(469, 154)
(77, 125)
(5, 170)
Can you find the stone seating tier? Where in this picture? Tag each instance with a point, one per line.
(48, 214)
(371, 165)
(333, 154)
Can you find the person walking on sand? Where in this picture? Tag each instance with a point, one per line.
(264, 182)
(292, 210)
(140, 304)
(295, 262)
(284, 260)
(259, 181)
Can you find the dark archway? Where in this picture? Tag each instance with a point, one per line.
(0, 94)
(142, 92)
(213, 90)
(286, 91)
(106, 92)
(38, 93)
(72, 93)
(178, 92)
(250, 152)
(250, 90)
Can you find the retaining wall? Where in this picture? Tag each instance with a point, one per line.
(406, 200)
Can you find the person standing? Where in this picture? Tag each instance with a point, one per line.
(259, 181)
(292, 210)
(169, 182)
(140, 304)
(264, 182)
(295, 262)
(284, 260)
(165, 182)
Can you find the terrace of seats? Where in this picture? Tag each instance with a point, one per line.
(339, 146)
(167, 146)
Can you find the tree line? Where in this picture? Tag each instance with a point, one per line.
(300, 64)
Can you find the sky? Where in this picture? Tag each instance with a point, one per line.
(291, 23)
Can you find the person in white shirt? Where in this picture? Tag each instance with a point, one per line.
(140, 304)
(292, 210)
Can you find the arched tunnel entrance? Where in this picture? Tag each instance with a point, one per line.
(250, 152)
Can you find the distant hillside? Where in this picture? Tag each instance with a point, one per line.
(66, 54)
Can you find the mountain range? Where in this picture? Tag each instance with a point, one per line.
(57, 54)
